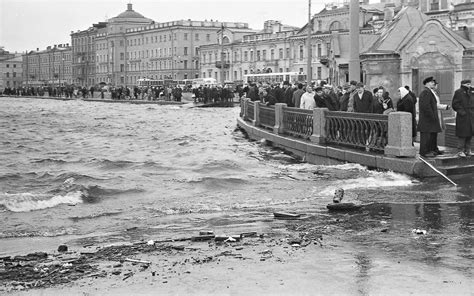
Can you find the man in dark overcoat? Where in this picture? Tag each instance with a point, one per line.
(463, 104)
(428, 122)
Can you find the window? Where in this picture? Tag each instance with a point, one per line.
(208, 37)
(185, 36)
(246, 56)
(251, 55)
(319, 72)
(122, 67)
(14, 74)
(258, 55)
(264, 55)
(320, 25)
(272, 54)
(121, 42)
(319, 50)
(161, 39)
(280, 53)
(196, 51)
(185, 64)
(8, 65)
(185, 51)
(122, 56)
(301, 52)
(14, 65)
(287, 53)
(328, 48)
(8, 74)
(196, 37)
(434, 5)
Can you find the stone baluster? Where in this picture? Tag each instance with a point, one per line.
(278, 128)
(256, 114)
(319, 125)
(400, 135)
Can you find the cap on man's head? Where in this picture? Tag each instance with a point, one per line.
(429, 79)
(353, 82)
(465, 81)
(359, 84)
(319, 88)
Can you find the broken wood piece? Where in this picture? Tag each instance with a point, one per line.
(137, 261)
(284, 215)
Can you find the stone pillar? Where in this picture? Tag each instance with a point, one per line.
(278, 128)
(319, 125)
(399, 135)
(244, 106)
(256, 113)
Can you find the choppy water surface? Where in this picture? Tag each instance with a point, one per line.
(96, 173)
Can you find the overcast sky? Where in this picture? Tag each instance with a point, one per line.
(30, 24)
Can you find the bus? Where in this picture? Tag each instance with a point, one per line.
(197, 82)
(273, 78)
(145, 82)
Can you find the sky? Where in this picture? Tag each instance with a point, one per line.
(29, 24)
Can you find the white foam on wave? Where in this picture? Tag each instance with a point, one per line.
(26, 202)
(372, 179)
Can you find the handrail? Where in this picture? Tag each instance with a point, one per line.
(266, 116)
(361, 130)
(298, 122)
(249, 113)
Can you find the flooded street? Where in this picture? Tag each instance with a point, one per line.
(83, 173)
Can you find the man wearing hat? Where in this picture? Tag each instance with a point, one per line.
(428, 124)
(463, 104)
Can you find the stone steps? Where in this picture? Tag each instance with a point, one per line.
(452, 165)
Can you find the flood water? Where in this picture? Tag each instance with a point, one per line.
(94, 173)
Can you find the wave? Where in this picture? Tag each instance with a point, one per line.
(94, 216)
(218, 182)
(66, 193)
(27, 202)
(49, 160)
(107, 164)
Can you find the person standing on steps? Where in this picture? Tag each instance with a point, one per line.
(463, 104)
(428, 123)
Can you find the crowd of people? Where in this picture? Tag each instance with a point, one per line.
(354, 97)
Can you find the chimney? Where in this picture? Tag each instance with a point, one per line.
(129, 7)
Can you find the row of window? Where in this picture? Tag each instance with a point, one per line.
(14, 65)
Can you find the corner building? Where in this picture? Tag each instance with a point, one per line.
(131, 47)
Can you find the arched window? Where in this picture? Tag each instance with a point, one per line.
(225, 40)
(335, 26)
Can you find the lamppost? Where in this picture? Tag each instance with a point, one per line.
(309, 75)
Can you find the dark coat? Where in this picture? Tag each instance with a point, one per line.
(428, 121)
(406, 104)
(364, 104)
(288, 95)
(463, 104)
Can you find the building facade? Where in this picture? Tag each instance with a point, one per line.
(281, 48)
(11, 70)
(48, 67)
(278, 50)
(133, 47)
(83, 48)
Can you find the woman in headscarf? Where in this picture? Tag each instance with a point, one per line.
(406, 104)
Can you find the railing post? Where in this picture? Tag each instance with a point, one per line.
(244, 108)
(319, 125)
(400, 135)
(256, 113)
(278, 128)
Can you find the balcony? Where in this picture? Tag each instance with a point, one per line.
(225, 65)
(324, 60)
